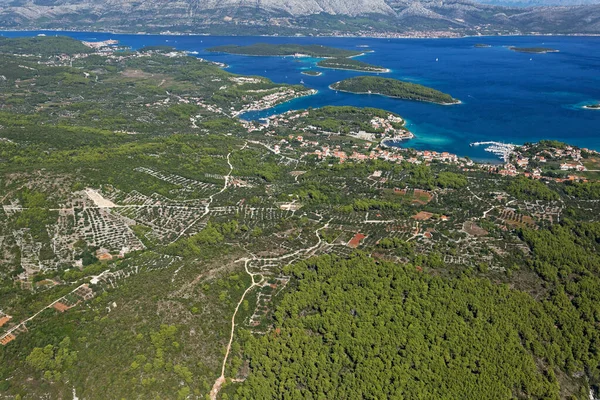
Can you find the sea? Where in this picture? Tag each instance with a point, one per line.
(506, 96)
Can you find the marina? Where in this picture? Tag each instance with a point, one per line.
(502, 150)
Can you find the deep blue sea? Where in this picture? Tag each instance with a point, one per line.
(507, 96)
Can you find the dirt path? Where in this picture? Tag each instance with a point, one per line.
(221, 379)
(210, 200)
(272, 150)
(22, 323)
(307, 252)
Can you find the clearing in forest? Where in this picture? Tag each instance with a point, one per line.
(422, 216)
(415, 196)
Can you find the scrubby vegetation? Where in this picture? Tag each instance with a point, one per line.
(140, 219)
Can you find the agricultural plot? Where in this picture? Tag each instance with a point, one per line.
(512, 219)
(207, 213)
(101, 228)
(186, 185)
(414, 196)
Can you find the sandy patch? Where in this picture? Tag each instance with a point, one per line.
(98, 200)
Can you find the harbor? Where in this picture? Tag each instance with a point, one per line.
(502, 150)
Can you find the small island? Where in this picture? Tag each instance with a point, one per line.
(266, 49)
(393, 88)
(534, 50)
(481, 45)
(592, 106)
(312, 73)
(350, 64)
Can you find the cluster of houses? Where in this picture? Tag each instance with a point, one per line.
(567, 159)
(395, 155)
(282, 95)
(103, 254)
(384, 126)
(101, 45)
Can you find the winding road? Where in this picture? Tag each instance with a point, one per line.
(305, 252)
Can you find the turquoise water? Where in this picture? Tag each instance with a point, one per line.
(507, 96)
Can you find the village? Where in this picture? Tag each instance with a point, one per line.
(116, 225)
(549, 161)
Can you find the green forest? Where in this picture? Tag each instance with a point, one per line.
(350, 64)
(393, 88)
(153, 245)
(267, 49)
(42, 45)
(358, 328)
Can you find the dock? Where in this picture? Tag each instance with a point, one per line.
(502, 150)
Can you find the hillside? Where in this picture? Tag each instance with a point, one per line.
(538, 3)
(153, 245)
(326, 17)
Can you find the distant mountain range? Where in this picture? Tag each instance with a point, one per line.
(306, 17)
(538, 3)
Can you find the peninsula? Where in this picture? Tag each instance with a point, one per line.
(393, 88)
(350, 64)
(265, 49)
(535, 50)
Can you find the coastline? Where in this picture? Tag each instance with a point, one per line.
(361, 54)
(396, 97)
(384, 142)
(118, 32)
(278, 55)
(383, 71)
(310, 92)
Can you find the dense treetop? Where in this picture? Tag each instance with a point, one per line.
(266, 49)
(350, 64)
(466, 283)
(44, 46)
(358, 328)
(393, 88)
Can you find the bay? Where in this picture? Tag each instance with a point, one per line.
(506, 96)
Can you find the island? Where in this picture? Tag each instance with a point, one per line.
(592, 106)
(311, 73)
(350, 64)
(534, 50)
(393, 88)
(266, 49)
(481, 45)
